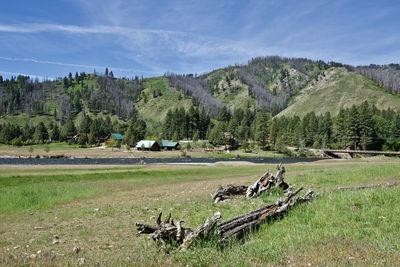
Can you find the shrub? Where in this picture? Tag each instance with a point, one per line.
(16, 141)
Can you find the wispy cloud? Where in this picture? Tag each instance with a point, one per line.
(76, 29)
(74, 65)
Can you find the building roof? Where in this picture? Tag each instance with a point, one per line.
(145, 143)
(117, 136)
(168, 143)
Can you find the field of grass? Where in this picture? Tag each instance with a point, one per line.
(57, 149)
(96, 208)
(338, 89)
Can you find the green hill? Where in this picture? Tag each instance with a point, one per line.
(286, 86)
(339, 88)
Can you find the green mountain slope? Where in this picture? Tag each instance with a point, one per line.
(336, 89)
(156, 99)
(287, 86)
(226, 86)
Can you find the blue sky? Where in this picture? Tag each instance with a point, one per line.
(50, 38)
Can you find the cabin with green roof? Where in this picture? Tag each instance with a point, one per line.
(115, 137)
(169, 145)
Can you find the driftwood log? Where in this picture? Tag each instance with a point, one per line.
(263, 184)
(169, 233)
(231, 190)
(241, 225)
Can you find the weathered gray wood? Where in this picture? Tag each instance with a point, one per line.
(239, 226)
(168, 233)
(222, 194)
(203, 231)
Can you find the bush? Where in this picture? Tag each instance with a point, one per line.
(16, 141)
(392, 145)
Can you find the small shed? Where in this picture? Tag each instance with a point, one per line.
(115, 137)
(169, 145)
(148, 145)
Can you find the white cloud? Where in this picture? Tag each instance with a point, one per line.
(74, 65)
(39, 28)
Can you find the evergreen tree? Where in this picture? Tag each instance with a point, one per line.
(261, 133)
(94, 132)
(224, 114)
(353, 127)
(196, 136)
(340, 129)
(365, 125)
(65, 82)
(41, 134)
(84, 129)
(273, 131)
(27, 132)
(55, 132)
(217, 134)
(136, 131)
(396, 127)
(107, 125)
(68, 130)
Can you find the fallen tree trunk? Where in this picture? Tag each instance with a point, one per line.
(368, 186)
(239, 226)
(231, 190)
(168, 232)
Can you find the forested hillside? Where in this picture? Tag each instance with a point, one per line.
(232, 105)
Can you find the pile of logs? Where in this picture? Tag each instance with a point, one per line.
(173, 234)
(263, 184)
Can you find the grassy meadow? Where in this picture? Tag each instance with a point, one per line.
(96, 208)
(65, 149)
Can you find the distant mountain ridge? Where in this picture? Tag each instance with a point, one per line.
(284, 86)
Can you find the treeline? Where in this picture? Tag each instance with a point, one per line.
(89, 131)
(192, 124)
(359, 127)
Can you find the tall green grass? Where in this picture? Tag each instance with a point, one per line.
(349, 221)
(45, 189)
(32, 189)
